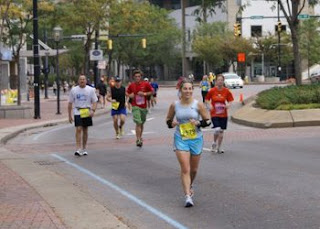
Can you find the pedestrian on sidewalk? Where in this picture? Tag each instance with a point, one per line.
(204, 85)
(117, 97)
(188, 138)
(102, 88)
(138, 90)
(83, 100)
(155, 87)
(221, 99)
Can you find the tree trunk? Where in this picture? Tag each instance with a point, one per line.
(296, 52)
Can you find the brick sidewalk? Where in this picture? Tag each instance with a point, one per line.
(21, 206)
(48, 110)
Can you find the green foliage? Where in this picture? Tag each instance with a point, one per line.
(310, 40)
(283, 98)
(216, 45)
(129, 17)
(207, 6)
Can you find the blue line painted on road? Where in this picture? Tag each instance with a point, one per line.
(124, 193)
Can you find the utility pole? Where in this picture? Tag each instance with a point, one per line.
(183, 15)
(279, 40)
(96, 47)
(36, 61)
(46, 69)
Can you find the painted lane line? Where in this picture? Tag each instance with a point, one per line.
(117, 188)
(149, 119)
(206, 149)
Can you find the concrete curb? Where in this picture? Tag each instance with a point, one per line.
(8, 133)
(255, 117)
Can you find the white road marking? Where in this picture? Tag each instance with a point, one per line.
(206, 149)
(149, 119)
(117, 188)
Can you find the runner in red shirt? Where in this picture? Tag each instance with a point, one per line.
(221, 99)
(138, 91)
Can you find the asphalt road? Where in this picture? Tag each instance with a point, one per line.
(266, 179)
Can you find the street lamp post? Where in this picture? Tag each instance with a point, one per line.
(279, 40)
(183, 12)
(57, 34)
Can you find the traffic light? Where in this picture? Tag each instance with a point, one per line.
(144, 43)
(110, 44)
(237, 29)
(279, 26)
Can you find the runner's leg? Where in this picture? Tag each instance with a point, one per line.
(184, 161)
(84, 137)
(78, 137)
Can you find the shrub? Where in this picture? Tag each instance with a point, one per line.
(290, 97)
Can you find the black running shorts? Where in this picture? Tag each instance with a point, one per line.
(78, 121)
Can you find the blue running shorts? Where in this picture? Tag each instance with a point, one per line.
(194, 146)
(121, 111)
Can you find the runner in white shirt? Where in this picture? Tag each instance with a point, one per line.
(83, 99)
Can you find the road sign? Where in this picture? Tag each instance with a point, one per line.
(257, 17)
(303, 16)
(96, 55)
(102, 64)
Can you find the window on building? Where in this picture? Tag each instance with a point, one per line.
(283, 28)
(256, 31)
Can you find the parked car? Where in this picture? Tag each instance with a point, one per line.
(315, 77)
(232, 80)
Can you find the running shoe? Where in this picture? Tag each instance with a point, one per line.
(220, 151)
(121, 131)
(188, 202)
(78, 153)
(214, 147)
(117, 136)
(84, 153)
(139, 143)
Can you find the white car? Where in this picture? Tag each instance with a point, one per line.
(232, 80)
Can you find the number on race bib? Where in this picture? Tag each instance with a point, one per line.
(188, 131)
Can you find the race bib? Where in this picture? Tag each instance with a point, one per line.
(188, 131)
(115, 105)
(139, 99)
(204, 88)
(219, 108)
(84, 112)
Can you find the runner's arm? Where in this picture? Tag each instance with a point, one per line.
(170, 116)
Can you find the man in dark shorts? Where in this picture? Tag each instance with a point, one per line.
(102, 88)
(83, 100)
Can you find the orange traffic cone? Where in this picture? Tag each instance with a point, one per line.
(241, 98)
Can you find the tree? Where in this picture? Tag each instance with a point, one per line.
(216, 45)
(84, 17)
(137, 20)
(291, 10)
(310, 40)
(18, 23)
(207, 7)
